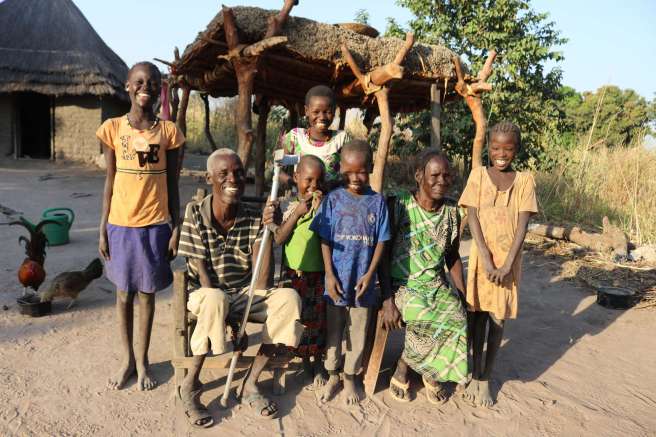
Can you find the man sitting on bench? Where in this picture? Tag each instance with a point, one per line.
(220, 239)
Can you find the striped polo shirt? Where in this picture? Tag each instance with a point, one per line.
(228, 259)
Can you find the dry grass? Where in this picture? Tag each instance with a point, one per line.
(617, 182)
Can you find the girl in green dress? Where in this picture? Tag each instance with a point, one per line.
(415, 288)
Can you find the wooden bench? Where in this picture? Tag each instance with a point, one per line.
(183, 326)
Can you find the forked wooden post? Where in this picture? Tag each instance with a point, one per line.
(472, 95)
(375, 83)
(244, 60)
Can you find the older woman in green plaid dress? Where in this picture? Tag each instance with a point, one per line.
(425, 241)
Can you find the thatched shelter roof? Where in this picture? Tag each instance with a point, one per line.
(49, 47)
(312, 56)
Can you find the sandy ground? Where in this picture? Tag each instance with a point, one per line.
(567, 366)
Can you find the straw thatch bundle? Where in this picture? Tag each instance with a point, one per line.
(48, 47)
(311, 56)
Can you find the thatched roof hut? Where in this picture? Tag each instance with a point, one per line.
(58, 81)
(49, 47)
(312, 56)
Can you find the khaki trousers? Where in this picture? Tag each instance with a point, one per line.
(353, 322)
(279, 309)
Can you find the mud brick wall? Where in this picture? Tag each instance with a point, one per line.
(76, 122)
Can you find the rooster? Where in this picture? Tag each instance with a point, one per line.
(70, 284)
(31, 272)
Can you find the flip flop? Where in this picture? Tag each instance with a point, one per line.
(194, 410)
(257, 402)
(430, 390)
(403, 387)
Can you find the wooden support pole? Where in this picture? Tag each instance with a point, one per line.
(472, 95)
(260, 144)
(342, 117)
(208, 132)
(387, 125)
(181, 121)
(436, 113)
(244, 59)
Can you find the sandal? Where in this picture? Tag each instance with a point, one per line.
(257, 402)
(197, 414)
(395, 384)
(433, 392)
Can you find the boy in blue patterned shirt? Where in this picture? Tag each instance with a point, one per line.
(352, 222)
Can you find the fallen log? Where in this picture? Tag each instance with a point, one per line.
(611, 240)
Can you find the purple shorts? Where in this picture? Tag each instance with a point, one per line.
(138, 258)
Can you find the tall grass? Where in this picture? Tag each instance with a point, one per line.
(586, 184)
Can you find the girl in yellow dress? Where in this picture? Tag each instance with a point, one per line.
(499, 202)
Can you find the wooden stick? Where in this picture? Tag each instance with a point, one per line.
(230, 27)
(355, 68)
(170, 64)
(260, 144)
(208, 132)
(257, 48)
(181, 121)
(376, 357)
(436, 112)
(276, 22)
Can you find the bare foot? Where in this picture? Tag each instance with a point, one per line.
(351, 391)
(332, 387)
(484, 396)
(320, 374)
(144, 380)
(471, 392)
(117, 382)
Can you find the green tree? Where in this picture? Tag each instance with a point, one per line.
(526, 77)
(622, 116)
(361, 16)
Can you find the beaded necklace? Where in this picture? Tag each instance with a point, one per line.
(127, 117)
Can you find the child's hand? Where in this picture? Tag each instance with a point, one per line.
(271, 213)
(362, 285)
(304, 206)
(488, 266)
(173, 245)
(391, 315)
(316, 199)
(103, 246)
(499, 275)
(333, 288)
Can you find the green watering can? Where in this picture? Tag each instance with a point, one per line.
(57, 234)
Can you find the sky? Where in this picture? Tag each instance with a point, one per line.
(610, 41)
